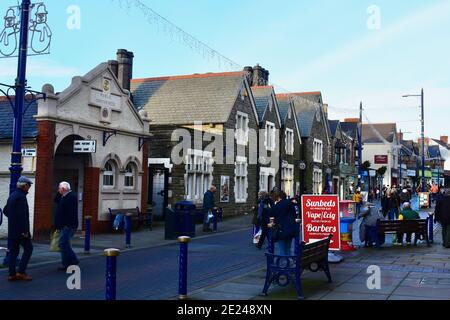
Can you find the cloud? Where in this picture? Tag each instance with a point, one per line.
(318, 67)
(43, 69)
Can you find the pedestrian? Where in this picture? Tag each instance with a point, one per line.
(357, 197)
(434, 192)
(393, 205)
(265, 203)
(19, 234)
(208, 207)
(66, 222)
(404, 197)
(442, 214)
(407, 214)
(368, 228)
(286, 220)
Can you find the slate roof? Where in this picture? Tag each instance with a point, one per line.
(29, 128)
(434, 152)
(442, 144)
(315, 96)
(408, 147)
(283, 107)
(262, 97)
(372, 132)
(333, 126)
(208, 98)
(350, 129)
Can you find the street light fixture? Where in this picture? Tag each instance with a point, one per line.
(423, 135)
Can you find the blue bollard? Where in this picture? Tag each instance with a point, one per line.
(111, 269)
(128, 230)
(215, 213)
(182, 280)
(87, 236)
(430, 227)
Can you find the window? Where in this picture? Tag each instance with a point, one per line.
(242, 128)
(266, 179)
(129, 176)
(289, 141)
(318, 151)
(270, 136)
(241, 179)
(108, 175)
(287, 180)
(199, 171)
(317, 181)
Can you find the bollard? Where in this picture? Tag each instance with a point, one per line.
(182, 280)
(111, 269)
(215, 213)
(128, 226)
(87, 235)
(430, 227)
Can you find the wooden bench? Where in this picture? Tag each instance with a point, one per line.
(419, 227)
(136, 215)
(283, 270)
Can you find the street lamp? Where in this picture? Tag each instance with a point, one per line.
(423, 135)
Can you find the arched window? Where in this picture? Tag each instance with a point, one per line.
(129, 176)
(108, 175)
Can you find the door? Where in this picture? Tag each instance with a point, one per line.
(158, 195)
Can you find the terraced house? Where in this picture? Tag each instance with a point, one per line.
(204, 128)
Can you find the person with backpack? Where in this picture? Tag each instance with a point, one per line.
(265, 203)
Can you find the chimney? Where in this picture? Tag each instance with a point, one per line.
(325, 109)
(444, 139)
(114, 66)
(125, 68)
(400, 136)
(249, 76)
(352, 120)
(260, 76)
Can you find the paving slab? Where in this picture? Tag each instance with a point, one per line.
(410, 298)
(241, 288)
(423, 292)
(354, 296)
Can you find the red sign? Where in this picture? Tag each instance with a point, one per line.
(381, 159)
(320, 217)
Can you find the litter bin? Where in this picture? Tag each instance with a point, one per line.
(180, 221)
(348, 217)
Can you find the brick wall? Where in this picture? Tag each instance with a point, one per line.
(44, 180)
(90, 201)
(144, 188)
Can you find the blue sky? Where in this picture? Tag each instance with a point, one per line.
(306, 45)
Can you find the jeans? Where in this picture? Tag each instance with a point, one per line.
(68, 257)
(27, 246)
(284, 247)
(393, 214)
(408, 237)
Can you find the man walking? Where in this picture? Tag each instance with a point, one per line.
(19, 234)
(442, 213)
(208, 207)
(66, 221)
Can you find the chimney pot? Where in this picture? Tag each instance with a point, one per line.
(444, 139)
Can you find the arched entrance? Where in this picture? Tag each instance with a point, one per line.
(70, 167)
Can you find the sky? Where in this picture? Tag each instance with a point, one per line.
(352, 51)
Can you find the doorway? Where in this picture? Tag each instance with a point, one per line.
(158, 190)
(69, 167)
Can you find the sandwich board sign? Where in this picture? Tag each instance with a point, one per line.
(320, 217)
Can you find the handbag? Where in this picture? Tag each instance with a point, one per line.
(54, 241)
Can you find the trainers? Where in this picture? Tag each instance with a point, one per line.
(12, 278)
(23, 277)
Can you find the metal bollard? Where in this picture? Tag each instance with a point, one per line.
(182, 280)
(111, 269)
(215, 213)
(128, 230)
(87, 235)
(430, 227)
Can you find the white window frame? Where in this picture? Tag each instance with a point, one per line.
(318, 151)
(269, 136)
(131, 175)
(107, 173)
(264, 174)
(241, 180)
(242, 129)
(199, 166)
(317, 181)
(287, 179)
(289, 142)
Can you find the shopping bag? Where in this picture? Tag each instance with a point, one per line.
(210, 216)
(54, 241)
(257, 236)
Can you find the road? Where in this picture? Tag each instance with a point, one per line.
(144, 274)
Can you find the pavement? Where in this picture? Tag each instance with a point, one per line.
(407, 273)
(227, 266)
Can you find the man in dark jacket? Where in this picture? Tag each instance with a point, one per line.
(264, 205)
(66, 221)
(286, 218)
(19, 234)
(442, 213)
(208, 207)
